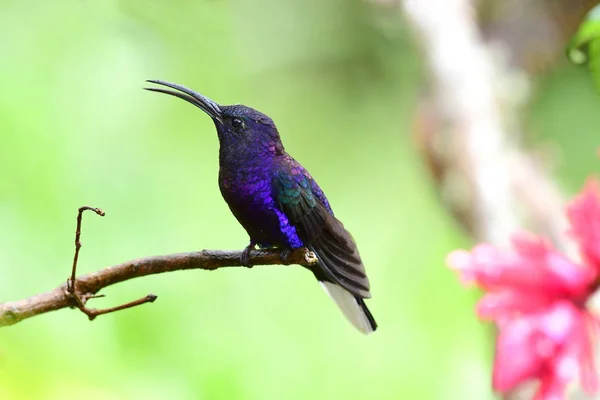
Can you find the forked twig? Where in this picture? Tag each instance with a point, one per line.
(80, 298)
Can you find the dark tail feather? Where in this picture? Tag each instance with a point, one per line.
(361, 303)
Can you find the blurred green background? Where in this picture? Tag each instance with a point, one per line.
(76, 129)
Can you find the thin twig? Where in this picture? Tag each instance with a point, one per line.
(71, 283)
(92, 313)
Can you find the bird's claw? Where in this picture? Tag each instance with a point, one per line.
(284, 255)
(245, 258)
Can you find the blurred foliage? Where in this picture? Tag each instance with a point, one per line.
(565, 107)
(341, 81)
(584, 48)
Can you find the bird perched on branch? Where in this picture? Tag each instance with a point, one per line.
(279, 204)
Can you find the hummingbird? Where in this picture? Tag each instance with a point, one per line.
(278, 202)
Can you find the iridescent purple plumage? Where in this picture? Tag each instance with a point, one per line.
(247, 189)
(279, 204)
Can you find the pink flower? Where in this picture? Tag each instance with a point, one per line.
(537, 297)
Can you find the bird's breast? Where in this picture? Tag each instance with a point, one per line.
(251, 200)
(247, 188)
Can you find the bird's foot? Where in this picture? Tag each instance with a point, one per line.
(245, 258)
(284, 255)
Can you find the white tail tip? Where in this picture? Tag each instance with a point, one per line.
(353, 311)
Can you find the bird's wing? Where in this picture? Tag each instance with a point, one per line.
(320, 231)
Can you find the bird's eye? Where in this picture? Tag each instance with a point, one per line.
(237, 123)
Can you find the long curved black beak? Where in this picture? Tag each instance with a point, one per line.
(202, 102)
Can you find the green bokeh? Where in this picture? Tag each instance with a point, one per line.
(76, 128)
(584, 46)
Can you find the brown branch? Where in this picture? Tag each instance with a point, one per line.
(88, 285)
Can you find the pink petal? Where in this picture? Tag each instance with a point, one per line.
(554, 381)
(533, 267)
(563, 349)
(516, 359)
(550, 390)
(559, 322)
(460, 261)
(574, 278)
(507, 303)
(584, 215)
(552, 271)
(583, 343)
(552, 346)
(491, 268)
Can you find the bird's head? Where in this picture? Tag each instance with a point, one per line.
(242, 130)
